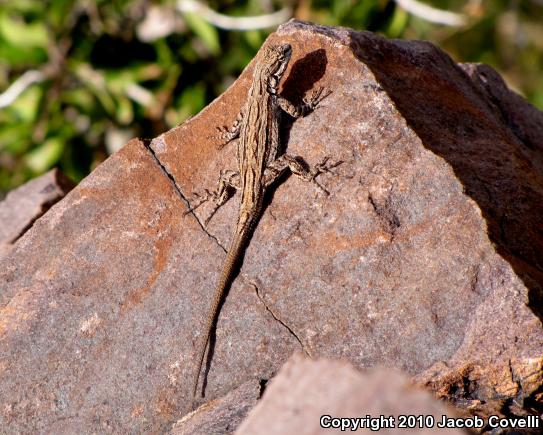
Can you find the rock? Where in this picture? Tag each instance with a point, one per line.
(98, 307)
(304, 391)
(415, 260)
(24, 205)
(220, 416)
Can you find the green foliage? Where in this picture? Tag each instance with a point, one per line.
(115, 69)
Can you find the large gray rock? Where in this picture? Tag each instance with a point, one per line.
(304, 391)
(414, 261)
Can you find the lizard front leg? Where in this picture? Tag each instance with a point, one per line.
(228, 180)
(299, 168)
(226, 134)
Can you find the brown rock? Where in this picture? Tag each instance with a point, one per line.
(220, 416)
(306, 390)
(98, 308)
(414, 261)
(22, 206)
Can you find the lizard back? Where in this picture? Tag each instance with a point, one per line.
(257, 146)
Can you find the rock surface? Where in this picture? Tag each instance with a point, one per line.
(220, 416)
(425, 257)
(305, 390)
(22, 206)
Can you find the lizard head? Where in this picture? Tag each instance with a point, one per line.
(275, 61)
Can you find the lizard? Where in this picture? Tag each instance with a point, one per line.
(260, 165)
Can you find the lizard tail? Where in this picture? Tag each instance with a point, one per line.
(227, 274)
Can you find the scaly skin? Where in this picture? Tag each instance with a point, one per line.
(259, 166)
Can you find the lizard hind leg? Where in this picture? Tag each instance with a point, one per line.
(228, 180)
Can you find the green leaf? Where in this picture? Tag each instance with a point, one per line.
(537, 99)
(254, 38)
(25, 107)
(20, 34)
(398, 23)
(57, 11)
(125, 112)
(205, 31)
(21, 56)
(95, 81)
(14, 137)
(25, 6)
(191, 101)
(82, 98)
(46, 155)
